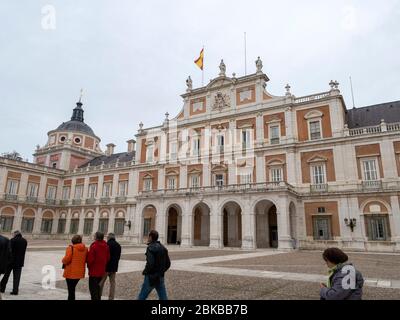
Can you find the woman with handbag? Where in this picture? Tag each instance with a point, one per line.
(74, 264)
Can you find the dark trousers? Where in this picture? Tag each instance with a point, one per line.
(71, 284)
(16, 278)
(94, 287)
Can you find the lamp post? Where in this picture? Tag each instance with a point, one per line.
(350, 223)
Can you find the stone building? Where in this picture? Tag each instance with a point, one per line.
(237, 167)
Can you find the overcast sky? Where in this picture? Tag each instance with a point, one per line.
(132, 57)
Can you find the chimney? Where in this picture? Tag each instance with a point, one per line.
(131, 145)
(110, 149)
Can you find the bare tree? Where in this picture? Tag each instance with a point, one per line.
(14, 155)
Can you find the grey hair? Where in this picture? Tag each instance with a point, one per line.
(111, 236)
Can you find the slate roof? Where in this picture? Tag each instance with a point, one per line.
(372, 115)
(123, 157)
(77, 126)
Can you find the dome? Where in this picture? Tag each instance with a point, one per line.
(77, 124)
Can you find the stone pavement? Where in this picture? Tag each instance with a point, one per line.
(32, 276)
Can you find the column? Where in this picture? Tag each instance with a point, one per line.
(161, 179)
(81, 221)
(259, 129)
(291, 167)
(23, 184)
(183, 177)
(350, 205)
(100, 186)
(111, 220)
(161, 223)
(17, 219)
(137, 225)
(85, 189)
(394, 219)
(388, 160)
(248, 228)
(289, 124)
(206, 176)
(54, 226)
(260, 169)
(42, 189)
(96, 220)
(114, 190)
(3, 180)
(68, 222)
(284, 238)
(38, 221)
(187, 222)
(216, 232)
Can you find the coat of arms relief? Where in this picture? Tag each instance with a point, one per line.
(221, 101)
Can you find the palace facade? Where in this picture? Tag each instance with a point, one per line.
(237, 167)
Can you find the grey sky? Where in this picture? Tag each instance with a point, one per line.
(132, 57)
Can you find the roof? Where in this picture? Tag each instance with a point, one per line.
(122, 157)
(372, 115)
(76, 126)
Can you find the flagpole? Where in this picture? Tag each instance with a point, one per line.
(245, 55)
(202, 70)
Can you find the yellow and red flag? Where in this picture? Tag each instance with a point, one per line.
(199, 60)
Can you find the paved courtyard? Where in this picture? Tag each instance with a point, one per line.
(202, 273)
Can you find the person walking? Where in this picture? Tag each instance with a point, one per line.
(344, 281)
(97, 259)
(5, 255)
(18, 249)
(74, 264)
(157, 263)
(112, 265)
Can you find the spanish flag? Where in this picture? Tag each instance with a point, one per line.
(199, 60)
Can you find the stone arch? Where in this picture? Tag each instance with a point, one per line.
(47, 221)
(231, 212)
(201, 224)
(8, 211)
(223, 203)
(266, 221)
(7, 216)
(28, 219)
(293, 224)
(104, 221)
(376, 219)
(149, 214)
(174, 224)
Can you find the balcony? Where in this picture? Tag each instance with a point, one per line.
(91, 201)
(31, 199)
(105, 200)
(64, 202)
(76, 202)
(371, 185)
(120, 199)
(11, 197)
(51, 202)
(315, 188)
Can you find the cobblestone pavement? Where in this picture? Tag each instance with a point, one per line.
(198, 273)
(382, 266)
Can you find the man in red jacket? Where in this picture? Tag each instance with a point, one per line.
(97, 259)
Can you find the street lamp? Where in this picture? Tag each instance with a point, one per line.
(350, 223)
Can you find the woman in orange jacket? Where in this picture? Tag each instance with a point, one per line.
(74, 264)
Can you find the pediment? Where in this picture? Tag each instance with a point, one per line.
(313, 114)
(219, 82)
(317, 158)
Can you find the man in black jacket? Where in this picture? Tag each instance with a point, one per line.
(112, 265)
(5, 255)
(18, 249)
(157, 263)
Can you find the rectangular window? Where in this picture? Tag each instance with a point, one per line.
(78, 192)
(276, 174)
(246, 178)
(107, 189)
(103, 225)
(274, 134)
(318, 174)
(92, 192)
(12, 186)
(315, 130)
(73, 229)
(369, 168)
(196, 146)
(171, 183)
(122, 188)
(377, 228)
(65, 193)
(33, 189)
(51, 192)
(149, 153)
(174, 151)
(27, 225)
(6, 223)
(219, 180)
(46, 226)
(322, 228)
(61, 226)
(148, 184)
(119, 227)
(146, 226)
(220, 143)
(88, 226)
(194, 181)
(245, 139)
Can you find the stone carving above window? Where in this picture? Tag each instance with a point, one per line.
(245, 95)
(221, 101)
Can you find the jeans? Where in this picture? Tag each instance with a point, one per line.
(146, 289)
(71, 284)
(94, 287)
(110, 275)
(16, 278)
